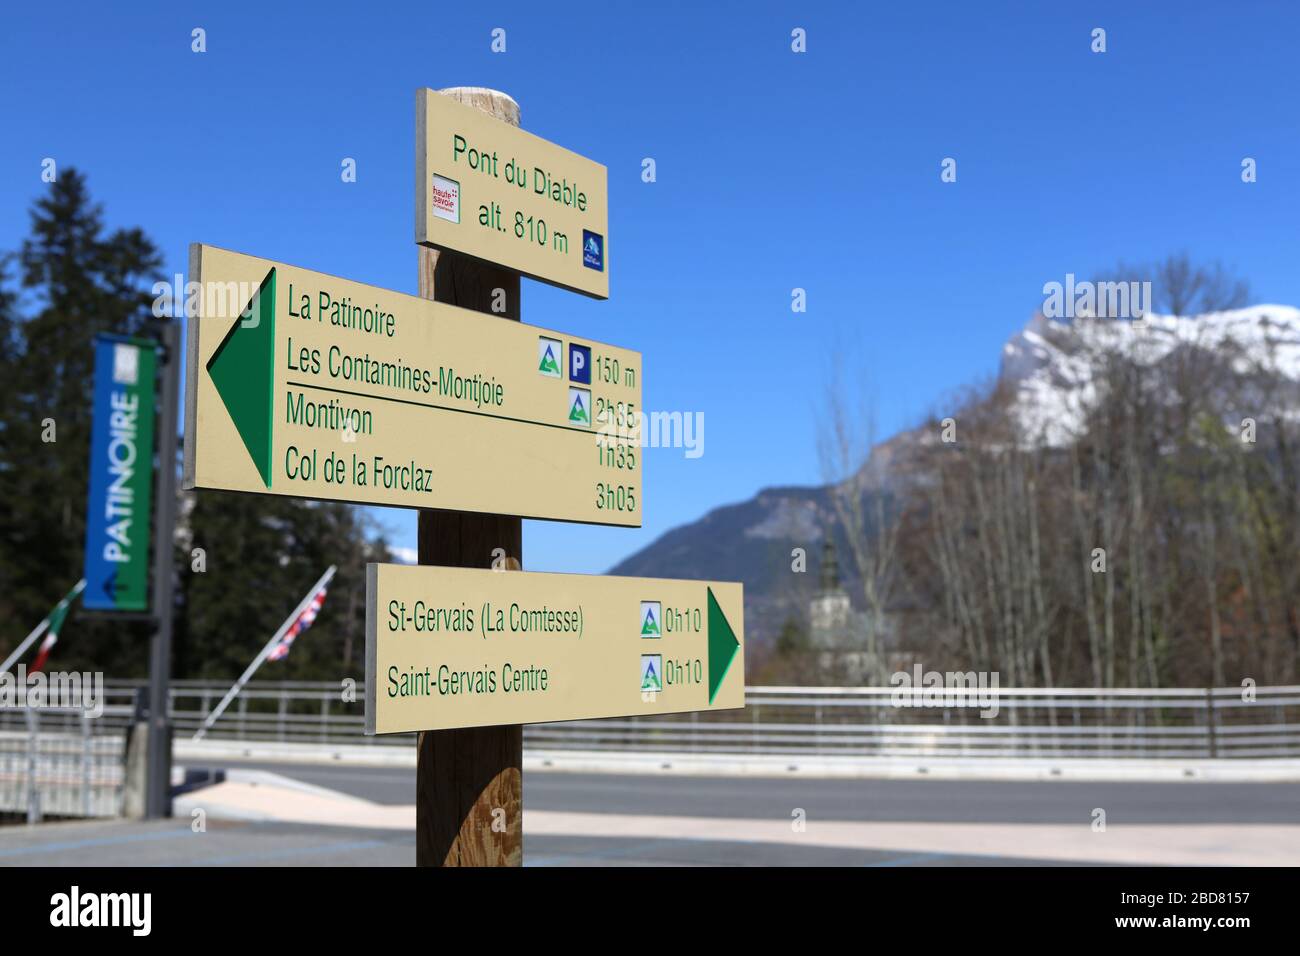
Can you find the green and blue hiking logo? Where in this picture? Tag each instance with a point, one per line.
(548, 356)
(651, 673)
(579, 407)
(650, 617)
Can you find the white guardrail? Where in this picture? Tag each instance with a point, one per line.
(57, 762)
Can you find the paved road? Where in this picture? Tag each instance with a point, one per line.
(172, 843)
(930, 801)
(1067, 805)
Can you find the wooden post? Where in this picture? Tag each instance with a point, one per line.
(469, 783)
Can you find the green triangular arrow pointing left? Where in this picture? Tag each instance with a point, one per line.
(722, 646)
(242, 369)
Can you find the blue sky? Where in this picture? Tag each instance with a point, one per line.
(776, 170)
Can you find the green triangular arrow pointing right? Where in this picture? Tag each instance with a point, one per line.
(722, 646)
(243, 370)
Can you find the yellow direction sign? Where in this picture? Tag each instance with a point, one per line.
(461, 647)
(304, 384)
(490, 190)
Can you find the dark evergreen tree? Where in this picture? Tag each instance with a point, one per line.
(9, 355)
(261, 552)
(80, 281)
(261, 555)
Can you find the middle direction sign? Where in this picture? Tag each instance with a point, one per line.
(307, 385)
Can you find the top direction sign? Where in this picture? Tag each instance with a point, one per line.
(489, 190)
(311, 386)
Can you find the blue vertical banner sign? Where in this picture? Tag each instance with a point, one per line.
(121, 475)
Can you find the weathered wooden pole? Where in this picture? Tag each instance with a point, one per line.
(469, 783)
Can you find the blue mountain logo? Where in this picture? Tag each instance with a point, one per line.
(593, 250)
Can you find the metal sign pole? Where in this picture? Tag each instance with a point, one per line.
(159, 761)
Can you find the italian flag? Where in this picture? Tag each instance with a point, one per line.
(53, 622)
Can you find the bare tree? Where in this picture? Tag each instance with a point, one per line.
(868, 522)
(1198, 526)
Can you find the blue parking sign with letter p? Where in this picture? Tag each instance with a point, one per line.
(579, 364)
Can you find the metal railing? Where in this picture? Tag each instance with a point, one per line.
(1111, 724)
(851, 721)
(60, 763)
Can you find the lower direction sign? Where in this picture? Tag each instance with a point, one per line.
(462, 647)
(305, 384)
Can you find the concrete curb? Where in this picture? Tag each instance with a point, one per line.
(881, 768)
(763, 765)
(355, 755)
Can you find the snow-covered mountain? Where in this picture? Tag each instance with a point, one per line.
(1049, 373)
(1049, 365)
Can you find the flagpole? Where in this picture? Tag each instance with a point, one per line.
(39, 629)
(262, 654)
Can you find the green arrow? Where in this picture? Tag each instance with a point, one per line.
(243, 370)
(722, 646)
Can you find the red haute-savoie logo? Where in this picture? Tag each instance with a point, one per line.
(446, 198)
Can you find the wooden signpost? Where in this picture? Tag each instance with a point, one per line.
(469, 783)
(469, 779)
(305, 384)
